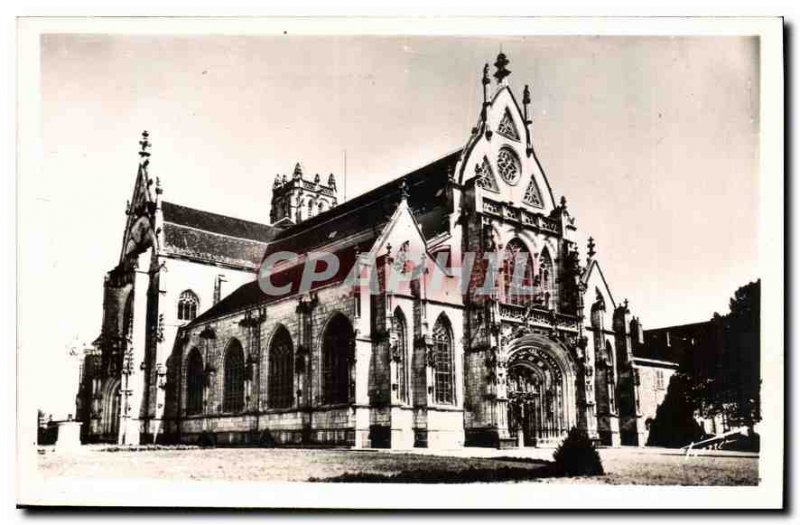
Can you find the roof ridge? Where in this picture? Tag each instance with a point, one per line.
(170, 203)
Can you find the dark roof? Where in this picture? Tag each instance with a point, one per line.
(214, 238)
(251, 294)
(428, 199)
(350, 228)
(216, 223)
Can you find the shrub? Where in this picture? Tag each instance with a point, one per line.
(576, 456)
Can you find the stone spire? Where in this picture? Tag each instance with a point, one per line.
(500, 68)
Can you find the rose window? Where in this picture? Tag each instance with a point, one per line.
(508, 166)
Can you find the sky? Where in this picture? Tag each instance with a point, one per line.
(653, 140)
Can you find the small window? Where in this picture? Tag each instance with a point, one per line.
(188, 304)
(659, 379)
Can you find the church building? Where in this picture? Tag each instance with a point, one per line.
(465, 352)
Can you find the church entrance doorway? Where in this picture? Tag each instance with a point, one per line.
(539, 412)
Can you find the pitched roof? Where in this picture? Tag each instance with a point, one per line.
(368, 213)
(216, 223)
(214, 238)
(350, 228)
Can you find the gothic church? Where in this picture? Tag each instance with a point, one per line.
(192, 350)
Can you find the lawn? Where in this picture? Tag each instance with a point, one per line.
(258, 464)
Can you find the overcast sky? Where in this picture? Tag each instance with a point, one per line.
(652, 140)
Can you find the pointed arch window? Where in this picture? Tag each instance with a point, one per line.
(337, 355)
(188, 304)
(518, 273)
(443, 363)
(194, 383)
(507, 128)
(484, 176)
(400, 354)
(233, 395)
(532, 194)
(280, 380)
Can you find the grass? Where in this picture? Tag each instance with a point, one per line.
(321, 465)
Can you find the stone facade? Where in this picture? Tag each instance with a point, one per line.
(460, 313)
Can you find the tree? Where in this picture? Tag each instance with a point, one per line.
(728, 371)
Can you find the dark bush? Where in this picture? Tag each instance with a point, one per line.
(576, 456)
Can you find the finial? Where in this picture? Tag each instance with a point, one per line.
(591, 253)
(486, 80)
(563, 203)
(526, 95)
(316, 178)
(500, 68)
(332, 182)
(298, 171)
(625, 304)
(403, 190)
(159, 190)
(144, 143)
(277, 182)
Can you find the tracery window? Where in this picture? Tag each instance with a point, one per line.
(532, 194)
(401, 354)
(508, 165)
(507, 127)
(443, 365)
(281, 370)
(337, 354)
(233, 395)
(484, 176)
(194, 383)
(518, 273)
(187, 305)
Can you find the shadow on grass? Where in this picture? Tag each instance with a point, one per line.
(537, 469)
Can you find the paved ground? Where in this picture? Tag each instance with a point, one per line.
(623, 465)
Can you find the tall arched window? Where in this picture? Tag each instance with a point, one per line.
(310, 208)
(281, 370)
(187, 305)
(400, 354)
(546, 278)
(443, 369)
(233, 395)
(337, 354)
(518, 273)
(194, 383)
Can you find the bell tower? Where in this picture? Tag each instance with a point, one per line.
(296, 199)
